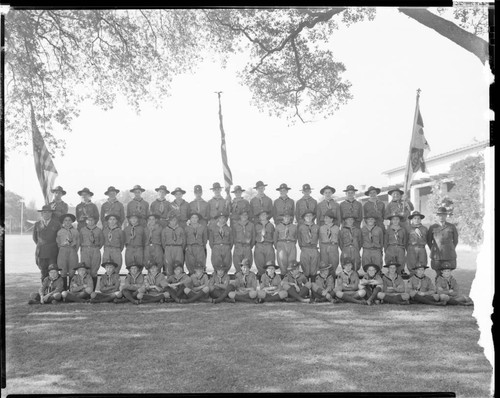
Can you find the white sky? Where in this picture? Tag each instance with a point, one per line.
(179, 144)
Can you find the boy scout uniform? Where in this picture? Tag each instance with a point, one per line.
(45, 238)
(53, 286)
(109, 284)
(400, 207)
(347, 283)
(288, 282)
(395, 243)
(161, 208)
(350, 241)
(285, 242)
(417, 239)
(423, 285)
(366, 281)
(282, 206)
(181, 208)
(200, 207)
(153, 250)
(112, 207)
(138, 207)
(328, 206)
(59, 207)
(216, 205)
(68, 242)
(199, 287)
(114, 242)
(80, 286)
(308, 237)
(442, 239)
(244, 241)
(270, 287)
(86, 209)
(133, 285)
(306, 203)
(375, 209)
(397, 295)
(177, 292)
(373, 242)
(221, 243)
(242, 282)
(219, 286)
(135, 239)
(173, 240)
(154, 286)
(323, 286)
(196, 245)
(329, 242)
(352, 208)
(238, 205)
(264, 240)
(259, 204)
(91, 241)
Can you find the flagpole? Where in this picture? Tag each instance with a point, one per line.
(408, 162)
(228, 178)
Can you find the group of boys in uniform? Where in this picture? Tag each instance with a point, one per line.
(164, 236)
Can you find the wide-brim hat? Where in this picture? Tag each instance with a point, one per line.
(322, 190)
(392, 262)
(445, 265)
(303, 215)
(162, 187)
(221, 214)
(270, 264)
(197, 188)
(46, 208)
(324, 266)
(306, 187)
(347, 260)
(53, 267)
(137, 187)
(58, 188)
(259, 184)
(372, 188)
(149, 264)
(195, 214)
(140, 266)
(118, 218)
(283, 186)
(416, 213)
(395, 190)
(366, 266)
(330, 214)
(418, 265)
(390, 216)
(237, 188)
(216, 185)
(111, 188)
(81, 265)
(350, 188)
(293, 265)
(73, 218)
(103, 265)
(85, 190)
(442, 210)
(178, 190)
(263, 211)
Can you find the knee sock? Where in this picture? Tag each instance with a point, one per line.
(152, 299)
(294, 294)
(224, 294)
(393, 299)
(350, 299)
(375, 291)
(65, 283)
(94, 280)
(128, 295)
(245, 298)
(195, 296)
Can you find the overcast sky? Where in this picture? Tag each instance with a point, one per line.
(179, 143)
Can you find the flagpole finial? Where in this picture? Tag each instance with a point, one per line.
(418, 92)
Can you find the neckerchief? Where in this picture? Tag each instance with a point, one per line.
(132, 232)
(174, 236)
(263, 231)
(419, 285)
(348, 277)
(91, 237)
(110, 233)
(69, 236)
(328, 203)
(417, 230)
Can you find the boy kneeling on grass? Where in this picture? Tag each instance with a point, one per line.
(347, 285)
(219, 285)
(372, 283)
(421, 289)
(51, 289)
(295, 284)
(245, 284)
(154, 285)
(109, 285)
(81, 285)
(322, 288)
(177, 282)
(270, 285)
(393, 288)
(199, 287)
(447, 287)
(134, 281)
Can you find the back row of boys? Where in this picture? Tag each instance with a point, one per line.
(161, 231)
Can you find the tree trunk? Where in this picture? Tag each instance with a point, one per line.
(448, 29)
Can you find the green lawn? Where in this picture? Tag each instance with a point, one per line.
(173, 348)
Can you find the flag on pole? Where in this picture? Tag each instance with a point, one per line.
(45, 169)
(228, 177)
(419, 147)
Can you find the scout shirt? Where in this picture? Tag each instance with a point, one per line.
(161, 208)
(173, 236)
(135, 235)
(242, 281)
(326, 205)
(138, 207)
(159, 280)
(216, 281)
(109, 283)
(237, 206)
(201, 281)
(199, 206)
(114, 237)
(350, 236)
(216, 205)
(45, 237)
(399, 207)
(244, 233)
(91, 237)
(375, 209)
(260, 203)
(267, 281)
(372, 238)
(366, 278)
(84, 209)
(351, 279)
(417, 235)
(442, 239)
(396, 282)
(308, 235)
(282, 205)
(182, 209)
(78, 281)
(196, 235)
(220, 235)
(329, 234)
(300, 279)
(305, 204)
(114, 207)
(285, 233)
(325, 283)
(352, 208)
(133, 282)
(423, 284)
(444, 285)
(60, 207)
(395, 236)
(68, 237)
(182, 278)
(49, 285)
(153, 235)
(264, 233)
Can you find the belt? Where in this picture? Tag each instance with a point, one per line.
(194, 244)
(395, 244)
(129, 245)
(173, 245)
(328, 243)
(310, 246)
(242, 244)
(152, 244)
(111, 247)
(90, 246)
(222, 244)
(286, 240)
(372, 248)
(264, 243)
(421, 246)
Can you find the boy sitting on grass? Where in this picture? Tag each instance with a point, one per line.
(154, 285)
(295, 284)
(109, 285)
(270, 285)
(81, 285)
(177, 282)
(393, 288)
(245, 284)
(421, 289)
(322, 288)
(372, 283)
(347, 285)
(199, 286)
(51, 289)
(219, 285)
(134, 281)
(447, 287)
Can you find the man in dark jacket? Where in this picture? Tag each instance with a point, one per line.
(44, 236)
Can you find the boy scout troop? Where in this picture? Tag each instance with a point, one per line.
(165, 236)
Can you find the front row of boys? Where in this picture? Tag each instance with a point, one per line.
(374, 287)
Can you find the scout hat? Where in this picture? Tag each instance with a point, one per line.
(81, 265)
(216, 185)
(418, 265)
(237, 188)
(370, 215)
(366, 266)
(283, 186)
(330, 214)
(58, 188)
(196, 214)
(198, 188)
(111, 188)
(45, 208)
(294, 264)
(346, 216)
(350, 188)
(322, 190)
(395, 190)
(157, 216)
(306, 187)
(85, 190)
(372, 188)
(149, 264)
(118, 218)
(324, 266)
(390, 216)
(221, 214)
(139, 216)
(259, 184)
(270, 264)
(162, 187)
(416, 213)
(73, 218)
(442, 210)
(178, 190)
(178, 264)
(53, 267)
(347, 260)
(393, 261)
(103, 265)
(306, 213)
(263, 211)
(137, 187)
(140, 266)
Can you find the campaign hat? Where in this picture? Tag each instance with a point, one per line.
(53, 267)
(73, 218)
(118, 218)
(372, 188)
(162, 187)
(111, 188)
(178, 190)
(237, 188)
(350, 188)
(137, 187)
(46, 208)
(416, 213)
(283, 186)
(306, 187)
(103, 265)
(58, 188)
(365, 267)
(216, 185)
(395, 190)
(85, 190)
(259, 184)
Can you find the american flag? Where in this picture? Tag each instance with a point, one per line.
(228, 177)
(45, 169)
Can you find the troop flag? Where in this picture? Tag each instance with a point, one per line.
(419, 147)
(45, 169)
(228, 177)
